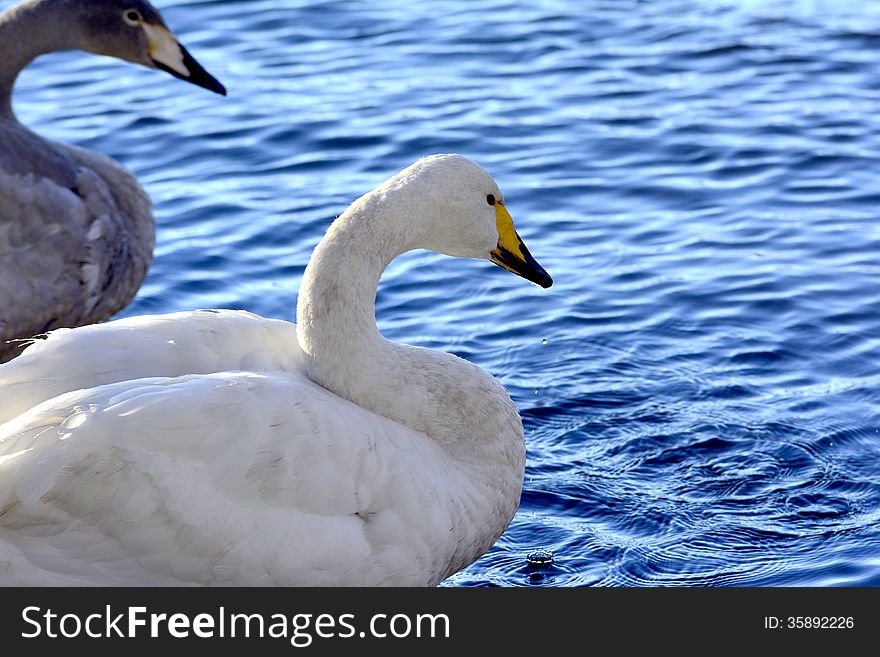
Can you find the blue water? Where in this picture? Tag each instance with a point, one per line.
(701, 386)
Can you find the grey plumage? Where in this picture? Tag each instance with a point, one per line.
(76, 229)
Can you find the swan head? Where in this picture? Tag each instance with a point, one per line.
(464, 214)
(132, 30)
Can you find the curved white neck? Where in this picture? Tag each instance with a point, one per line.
(451, 400)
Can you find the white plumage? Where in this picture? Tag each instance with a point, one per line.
(223, 448)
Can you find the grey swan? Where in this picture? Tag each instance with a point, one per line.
(76, 229)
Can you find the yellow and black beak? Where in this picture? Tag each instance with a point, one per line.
(512, 254)
(168, 54)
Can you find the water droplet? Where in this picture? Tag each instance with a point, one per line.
(540, 559)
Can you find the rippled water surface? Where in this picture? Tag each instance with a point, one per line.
(702, 178)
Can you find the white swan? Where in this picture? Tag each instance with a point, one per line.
(219, 447)
(76, 229)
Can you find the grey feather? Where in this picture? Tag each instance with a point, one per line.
(76, 229)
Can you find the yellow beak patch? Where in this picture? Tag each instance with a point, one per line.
(512, 254)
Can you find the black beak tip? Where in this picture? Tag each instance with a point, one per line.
(535, 272)
(197, 74)
(217, 88)
(528, 267)
(537, 275)
(207, 81)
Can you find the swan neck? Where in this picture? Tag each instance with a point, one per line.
(459, 406)
(28, 30)
(432, 392)
(336, 309)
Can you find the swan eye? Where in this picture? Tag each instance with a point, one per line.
(133, 17)
(490, 199)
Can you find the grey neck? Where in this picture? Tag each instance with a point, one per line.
(28, 30)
